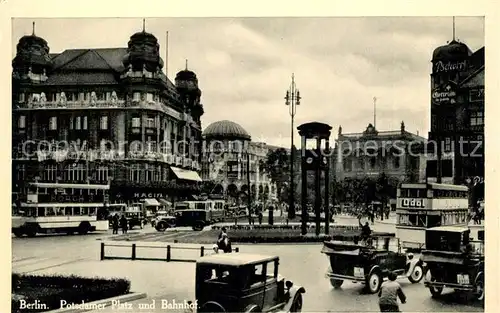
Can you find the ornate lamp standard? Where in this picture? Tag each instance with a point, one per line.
(292, 99)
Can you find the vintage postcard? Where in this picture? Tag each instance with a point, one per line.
(248, 164)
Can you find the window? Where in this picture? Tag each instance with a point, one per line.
(347, 165)
(136, 122)
(136, 96)
(102, 173)
(21, 97)
(81, 96)
(447, 144)
(270, 270)
(49, 174)
(135, 173)
(361, 163)
(149, 172)
(76, 172)
(150, 122)
(258, 276)
(104, 122)
(21, 172)
(373, 162)
(53, 123)
(84, 122)
(41, 211)
(149, 97)
(22, 122)
(396, 161)
(78, 123)
(476, 118)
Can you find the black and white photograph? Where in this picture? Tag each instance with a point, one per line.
(248, 164)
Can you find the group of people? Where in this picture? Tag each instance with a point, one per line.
(223, 242)
(119, 222)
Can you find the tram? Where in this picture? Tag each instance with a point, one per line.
(61, 208)
(423, 206)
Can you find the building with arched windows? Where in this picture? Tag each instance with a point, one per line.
(107, 115)
(231, 161)
(397, 154)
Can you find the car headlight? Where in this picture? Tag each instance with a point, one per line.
(410, 256)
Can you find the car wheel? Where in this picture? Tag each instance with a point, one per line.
(336, 283)
(252, 308)
(297, 303)
(198, 226)
(83, 229)
(212, 307)
(435, 290)
(18, 233)
(479, 288)
(161, 226)
(374, 281)
(417, 274)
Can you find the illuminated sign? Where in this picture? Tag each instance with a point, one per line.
(449, 66)
(413, 203)
(444, 96)
(58, 198)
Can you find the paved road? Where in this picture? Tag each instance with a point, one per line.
(303, 264)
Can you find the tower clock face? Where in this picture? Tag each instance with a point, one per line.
(309, 160)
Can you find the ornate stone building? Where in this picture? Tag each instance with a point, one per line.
(372, 152)
(232, 162)
(105, 115)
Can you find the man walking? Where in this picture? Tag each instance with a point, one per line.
(389, 293)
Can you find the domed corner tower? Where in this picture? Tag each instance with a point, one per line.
(32, 57)
(143, 52)
(186, 83)
(450, 62)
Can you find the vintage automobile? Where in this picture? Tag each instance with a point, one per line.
(238, 282)
(370, 262)
(454, 260)
(134, 217)
(163, 220)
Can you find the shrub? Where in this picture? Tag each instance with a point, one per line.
(51, 289)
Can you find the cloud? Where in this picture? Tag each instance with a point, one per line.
(244, 65)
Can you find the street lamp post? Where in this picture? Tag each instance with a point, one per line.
(292, 99)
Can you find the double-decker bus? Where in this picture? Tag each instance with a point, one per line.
(199, 214)
(422, 206)
(61, 208)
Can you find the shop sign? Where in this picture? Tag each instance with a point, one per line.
(149, 195)
(457, 66)
(447, 95)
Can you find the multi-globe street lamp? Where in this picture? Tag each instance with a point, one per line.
(292, 99)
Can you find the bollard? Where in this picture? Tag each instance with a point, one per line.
(202, 251)
(133, 251)
(169, 256)
(102, 251)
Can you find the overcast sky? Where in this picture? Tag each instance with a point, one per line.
(244, 65)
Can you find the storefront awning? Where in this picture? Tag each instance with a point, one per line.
(186, 174)
(151, 202)
(164, 202)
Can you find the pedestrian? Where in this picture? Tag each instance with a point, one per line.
(124, 224)
(365, 230)
(223, 231)
(389, 293)
(115, 223)
(260, 217)
(223, 243)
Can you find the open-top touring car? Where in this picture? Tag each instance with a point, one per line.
(454, 260)
(238, 282)
(370, 261)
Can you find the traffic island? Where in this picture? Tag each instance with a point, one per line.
(33, 293)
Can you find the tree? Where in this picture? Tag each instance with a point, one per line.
(277, 165)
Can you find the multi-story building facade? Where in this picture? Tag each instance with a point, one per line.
(105, 116)
(371, 153)
(456, 137)
(233, 163)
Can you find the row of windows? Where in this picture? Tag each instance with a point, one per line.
(476, 118)
(436, 193)
(87, 96)
(372, 163)
(55, 211)
(423, 220)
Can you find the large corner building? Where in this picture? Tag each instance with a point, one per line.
(105, 116)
